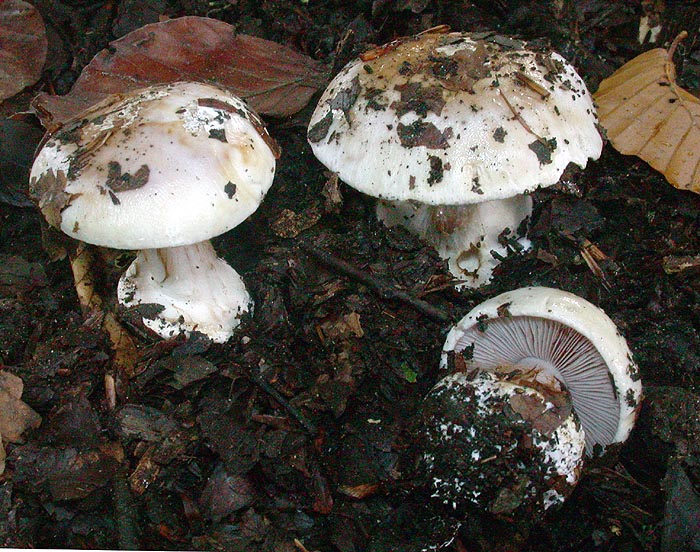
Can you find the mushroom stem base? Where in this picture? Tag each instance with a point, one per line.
(188, 289)
(473, 238)
(504, 443)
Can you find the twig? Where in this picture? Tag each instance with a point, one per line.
(670, 72)
(110, 391)
(673, 264)
(591, 254)
(674, 45)
(282, 401)
(124, 513)
(300, 546)
(384, 290)
(519, 117)
(531, 84)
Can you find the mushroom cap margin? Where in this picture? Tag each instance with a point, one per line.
(407, 134)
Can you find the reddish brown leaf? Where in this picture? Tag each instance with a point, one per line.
(322, 498)
(274, 79)
(225, 494)
(23, 52)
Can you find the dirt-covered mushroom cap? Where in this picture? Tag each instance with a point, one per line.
(563, 335)
(163, 166)
(504, 445)
(162, 170)
(454, 118)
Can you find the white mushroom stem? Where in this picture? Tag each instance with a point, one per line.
(470, 236)
(197, 291)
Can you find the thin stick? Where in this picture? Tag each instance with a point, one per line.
(300, 546)
(676, 41)
(384, 290)
(518, 117)
(124, 513)
(282, 401)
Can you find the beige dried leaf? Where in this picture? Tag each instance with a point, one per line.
(645, 113)
(15, 415)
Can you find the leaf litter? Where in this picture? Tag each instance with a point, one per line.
(24, 46)
(646, 113)
(305, 437)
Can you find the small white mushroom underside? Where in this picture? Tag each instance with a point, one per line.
(565, 353)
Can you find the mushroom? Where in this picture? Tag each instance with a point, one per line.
(498, 442)
(450, 131)
(538, 376)
(162, 170)
(560, 335)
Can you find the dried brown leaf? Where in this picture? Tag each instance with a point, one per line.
(15, 416)
(645, 113)
(345, 326)
(24, 44)
(225, 494)
(274, 79)
(67, 473)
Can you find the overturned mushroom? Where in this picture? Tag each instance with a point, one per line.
(538, 376)
(162, 170)
(450, 130)
(563, 336)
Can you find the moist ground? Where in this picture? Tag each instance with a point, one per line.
(298, 434)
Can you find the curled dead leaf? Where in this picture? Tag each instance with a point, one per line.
(344, 326)
(645, 113)
(274, 79)
(361, 491)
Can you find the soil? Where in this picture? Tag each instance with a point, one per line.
(298, 433)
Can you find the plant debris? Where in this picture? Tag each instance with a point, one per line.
(645, 112)
(299, 434)
(24, 46)
(275, 79)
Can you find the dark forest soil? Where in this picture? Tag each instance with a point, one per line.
(297, 434)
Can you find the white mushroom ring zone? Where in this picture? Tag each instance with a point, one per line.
(533, 366)
(162, 170)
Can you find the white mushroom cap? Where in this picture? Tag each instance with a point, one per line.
(454, 118)
(164, 166)
(570, 338)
